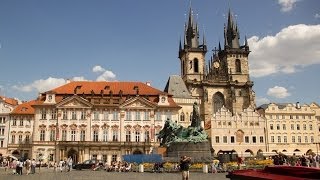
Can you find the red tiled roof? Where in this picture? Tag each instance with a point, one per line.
(9, 100)
(24, 108)
(127, 88)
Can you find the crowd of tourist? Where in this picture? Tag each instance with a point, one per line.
(304, 160)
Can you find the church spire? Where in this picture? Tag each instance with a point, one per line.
(231, 33)
(192, 32)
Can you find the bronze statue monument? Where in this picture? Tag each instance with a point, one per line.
(191, 141)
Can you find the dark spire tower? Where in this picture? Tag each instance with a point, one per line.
(192, 55)
(225, 80)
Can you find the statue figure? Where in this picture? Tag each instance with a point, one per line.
(173, 132)
(195, 119)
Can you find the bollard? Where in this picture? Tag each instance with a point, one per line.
(205, 168)
(141, 168)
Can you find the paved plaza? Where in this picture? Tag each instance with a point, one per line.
(49, 174)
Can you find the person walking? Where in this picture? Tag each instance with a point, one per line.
(69, 163)
(184, 167)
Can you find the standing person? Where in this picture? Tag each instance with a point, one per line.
(33, 166)
(184, 167)
(69, 161)
(61, 165)
(28, 166)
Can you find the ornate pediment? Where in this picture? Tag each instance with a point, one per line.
(74, 102)
(138, 103)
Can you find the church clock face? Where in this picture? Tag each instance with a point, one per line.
(163, 99)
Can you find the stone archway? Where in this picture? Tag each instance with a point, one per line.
(137, 151)
(73, 154)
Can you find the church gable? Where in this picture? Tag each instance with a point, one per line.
(138, 103)
(74, 102)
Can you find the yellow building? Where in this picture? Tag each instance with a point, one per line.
(291, 128)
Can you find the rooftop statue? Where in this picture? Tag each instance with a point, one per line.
(173, 132)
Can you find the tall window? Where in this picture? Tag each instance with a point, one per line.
(271, 126)
(13, 139)
(96, 115)
(138, 116)
(105, 135)
(114, 157)
(246, 139)
(279, 139)
(83, 115)
(298, 126)
(225, 139)
(128, 115)
(168, 115)
(182, 116)
(21, 122)
(82, 135)
(310, 126)
(27, 139)
(285, 139)
(42, 135)
(137, 136)
(64, 135)
(158, 116)
(292, 126)
(147, 136)
(146, 115)
(299, 139)
(106, 115)
(196, 65)
(73, 115)
(254, 139)
(20, 139)
(238, 65)
(52, 135)
(14, 122)
(115, 115)
(114, 135)
(232, 139)
(272, 139)
(261, 139)
(284, 127)
(43, 114)
(306, 139)
(293, 139)
(64, 114)
(73, 135)
(217, 139)
(95, 135)
(218, 102)
(128, 136)
(311, 139)
(54, 114)
(278, 126)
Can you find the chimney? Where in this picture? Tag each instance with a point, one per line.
(298, 105)
(148, 83)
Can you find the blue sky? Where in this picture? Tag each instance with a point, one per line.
(45, 42)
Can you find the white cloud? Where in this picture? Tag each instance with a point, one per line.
(294, 47)
(106, 76)
(41, 85)
(79, 78)
(287, 5)
(317, 16)
(278, 92)
(262, 100)
(98, 69)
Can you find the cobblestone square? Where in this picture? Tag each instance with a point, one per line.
(49, 174)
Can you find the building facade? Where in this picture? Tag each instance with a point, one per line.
(6, 106)
(224, 90)
(99, 120)
(21, 130)
(291, 128)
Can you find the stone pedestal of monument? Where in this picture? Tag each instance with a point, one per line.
(199, 152)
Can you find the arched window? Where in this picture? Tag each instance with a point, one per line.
(238, 65)
(196, 65)
(182, 116)
(218, 102)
